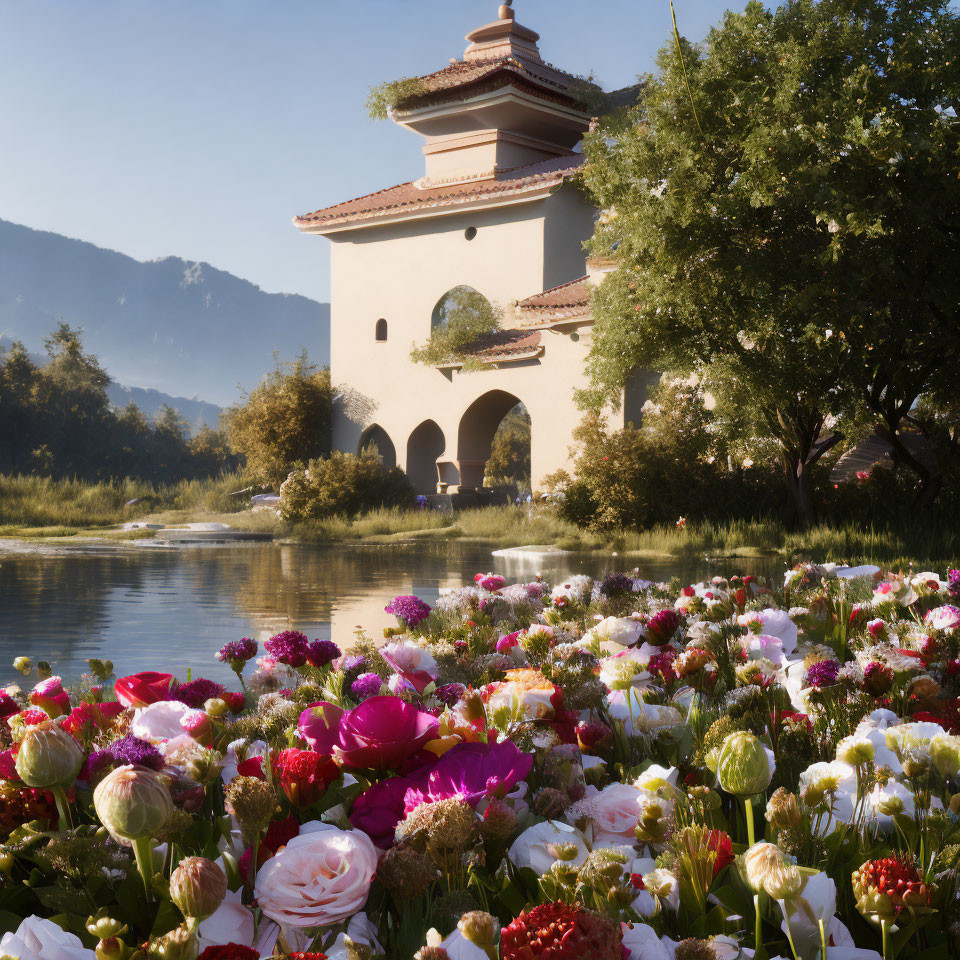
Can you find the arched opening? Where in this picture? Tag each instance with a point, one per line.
(381, 331)
(424, 448)
(375, 436)
(509, 463)
(478, 427)
(462, 303)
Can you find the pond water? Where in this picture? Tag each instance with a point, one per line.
(171, 609)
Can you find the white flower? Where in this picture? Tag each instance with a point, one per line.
(627, 667)
(237, 751)
(615, 811)
(656, 776)
(946, 617)
(573, 588)
(777, 623)
(533, 847)
(159, 721)
(231, 923)
(817, 901)
(39, 939)
(361, 931)
(319, 878)
(623, 631)
(639, 716)
(458, 947)
(663, 884)
(642, 943)
(406, 656)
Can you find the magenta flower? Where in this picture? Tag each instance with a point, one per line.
(379, 809)
(380, 734)
(408, 610)
(237, 652)
(471, 771)
(289, 647)
(322, 652)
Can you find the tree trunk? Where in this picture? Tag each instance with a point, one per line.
(930, 482)
(797, 478)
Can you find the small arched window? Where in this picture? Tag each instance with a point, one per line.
(381, 331)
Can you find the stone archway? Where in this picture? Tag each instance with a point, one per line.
(478, 426)
(424, 449)
(375, 436)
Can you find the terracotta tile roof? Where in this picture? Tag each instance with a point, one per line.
(464, 78)
(568, 301)
(505, 344)
(411, 198)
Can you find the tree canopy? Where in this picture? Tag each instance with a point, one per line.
(782, 207)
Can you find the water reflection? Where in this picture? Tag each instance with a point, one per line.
(171, 609)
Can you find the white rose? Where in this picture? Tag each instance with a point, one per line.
(159, 721)
(319, 878)
(641, 717)
(231, 923)
(39, 939)
(946, 617)
(532, 848)
(642, 943)
(623, 631)
(361, 931)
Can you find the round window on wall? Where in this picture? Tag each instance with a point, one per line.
(470, 233)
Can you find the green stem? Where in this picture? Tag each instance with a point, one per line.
(786, 921)
(63, 807)
(884, 935)
(252, 868)
(823, 940)
(748, 809)
(759, 953)
(143, 851)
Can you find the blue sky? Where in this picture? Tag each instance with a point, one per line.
(200, 127)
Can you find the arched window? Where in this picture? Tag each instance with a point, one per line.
(462, 303)
(381, 331)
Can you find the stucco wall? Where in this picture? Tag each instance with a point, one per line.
(399, 272)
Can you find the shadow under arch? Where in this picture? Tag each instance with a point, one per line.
(375, 436)
(424, 449)
(478, 426)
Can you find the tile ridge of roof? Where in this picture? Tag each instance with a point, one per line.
(559, 286)
(363, 196)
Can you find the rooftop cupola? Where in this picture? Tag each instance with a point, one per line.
(503, 37)
(499, 108)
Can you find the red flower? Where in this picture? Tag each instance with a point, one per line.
(235, 701)
(720, 842)
(229, 951)
(279, 834)
(307, 956)
(557, 931)
(142, 689)
(636, 881)
(662, 626)
(893, 877)
(305, 775)
(251, 767)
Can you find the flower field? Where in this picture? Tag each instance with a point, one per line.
(590, 770)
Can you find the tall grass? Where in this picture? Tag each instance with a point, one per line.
(37, 502)
(37, 506)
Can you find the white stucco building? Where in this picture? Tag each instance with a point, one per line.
(497, 210)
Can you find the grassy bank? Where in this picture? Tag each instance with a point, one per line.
(34, 507)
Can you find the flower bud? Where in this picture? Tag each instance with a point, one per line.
(110, 948)
(479, 928)
(743, 767)
(23, 665)
(132, 802)
(890, 806)
(473, 708)
(198, 725)
(198, 887)
(766, 867)
(103, 926)
(855, 751)
(563, 851)
(216, 707)
(48, 757)
(178, 944)
(945, 754)
(252, 801)
(783, 811)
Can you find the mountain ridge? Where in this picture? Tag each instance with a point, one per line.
(171, 325)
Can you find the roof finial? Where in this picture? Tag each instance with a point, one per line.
(505, 12)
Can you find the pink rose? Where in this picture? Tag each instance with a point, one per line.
(319, 878)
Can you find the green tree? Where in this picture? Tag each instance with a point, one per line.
(510, 451)
(762, 203)
(285, 421)
(464, 318)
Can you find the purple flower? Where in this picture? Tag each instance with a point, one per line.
(322, 652)
(471, 771)
(197, 692)
(366, 685)
(133, 750)
(450, 693)
(379, 809)
(289, 647)
(823, 673)
(615, 585)
(954, 582)
(408, 610)
(237, 651)
(353, 663)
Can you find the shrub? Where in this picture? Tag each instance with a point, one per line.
(343, 485)
(466, 317)
(285, 421)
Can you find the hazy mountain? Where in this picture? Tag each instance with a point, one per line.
(185, 329)
(197, 413)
